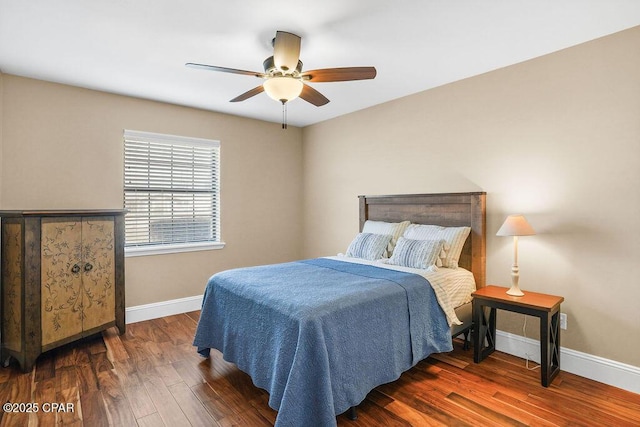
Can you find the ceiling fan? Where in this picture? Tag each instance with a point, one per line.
(284, 79)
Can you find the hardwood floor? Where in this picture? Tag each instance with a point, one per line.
(152, 376)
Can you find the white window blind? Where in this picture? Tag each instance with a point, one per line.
(171, 190)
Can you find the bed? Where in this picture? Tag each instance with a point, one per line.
(319, 334)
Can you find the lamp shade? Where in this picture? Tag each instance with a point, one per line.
(515, 225)
(283, 89)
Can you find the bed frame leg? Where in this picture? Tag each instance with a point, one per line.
(352, 414)
(465, 345)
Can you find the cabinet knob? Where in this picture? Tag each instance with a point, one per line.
(75, 269)
(88, 267)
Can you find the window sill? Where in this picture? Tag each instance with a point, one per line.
(171, 249)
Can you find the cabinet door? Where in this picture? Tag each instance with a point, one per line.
(98, 271)
(61, 278)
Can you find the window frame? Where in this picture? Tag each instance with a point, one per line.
(167, 248)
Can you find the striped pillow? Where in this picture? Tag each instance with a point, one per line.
(454, 238)
(395, 229)
(368, 246)
(416, 253)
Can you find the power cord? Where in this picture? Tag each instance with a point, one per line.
(527, 355)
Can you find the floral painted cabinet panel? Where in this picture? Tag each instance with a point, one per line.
(62, 279)
(98, 273)
(77, 276)
(12, 286)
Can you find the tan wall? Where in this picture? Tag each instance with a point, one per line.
(1, 121)
(63, 148)
(556, 138)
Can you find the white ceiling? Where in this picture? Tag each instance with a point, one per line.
(139, 47)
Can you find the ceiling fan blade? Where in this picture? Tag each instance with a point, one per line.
(340, 74)
(312, 96)
(224, 69)
(248, 94)
(286, 51)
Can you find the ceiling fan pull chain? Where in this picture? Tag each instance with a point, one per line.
(284, 114)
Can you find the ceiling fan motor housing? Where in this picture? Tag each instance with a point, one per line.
(271, 69)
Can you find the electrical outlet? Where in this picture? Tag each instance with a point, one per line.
(563, 321)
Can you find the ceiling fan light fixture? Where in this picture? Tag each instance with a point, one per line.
(283, 89)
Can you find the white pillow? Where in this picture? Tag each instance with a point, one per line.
(454, 238)
(368, 246)
(394, 229)
(417, 253)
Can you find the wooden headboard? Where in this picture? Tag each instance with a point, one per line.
(447, 210)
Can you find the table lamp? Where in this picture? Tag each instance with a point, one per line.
(515, 225)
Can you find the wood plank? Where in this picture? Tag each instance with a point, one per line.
(93, 410)
(116, 404)
(45, 391)
(189, 374)
(100, 362)
(45, 369)
(406, 411)
(194, 315)
(261, 405)
(115, 348)
(96, 345)
(69, 396)
(145, 369)
(446, 358)
(251, 417)
(140, 401)
(135, 348)
(152, 420)
(615, 400)
(550, 417)
(191, 405)
(156, 353)
(218, 409)
(580, 412)
(87, 380)
(164, 402)
(126, 373)
(168, 374)
(7, 374)
(484, 411)
(65, 357)
(370, 414)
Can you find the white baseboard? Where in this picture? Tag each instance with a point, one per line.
(586, 365)
(156, 310)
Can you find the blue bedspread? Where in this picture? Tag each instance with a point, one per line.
(319, 334)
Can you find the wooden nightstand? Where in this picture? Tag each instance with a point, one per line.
(545, 307)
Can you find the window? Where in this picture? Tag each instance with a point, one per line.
(171, 193)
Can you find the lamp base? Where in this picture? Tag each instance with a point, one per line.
(515, 273)
(515, 291)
